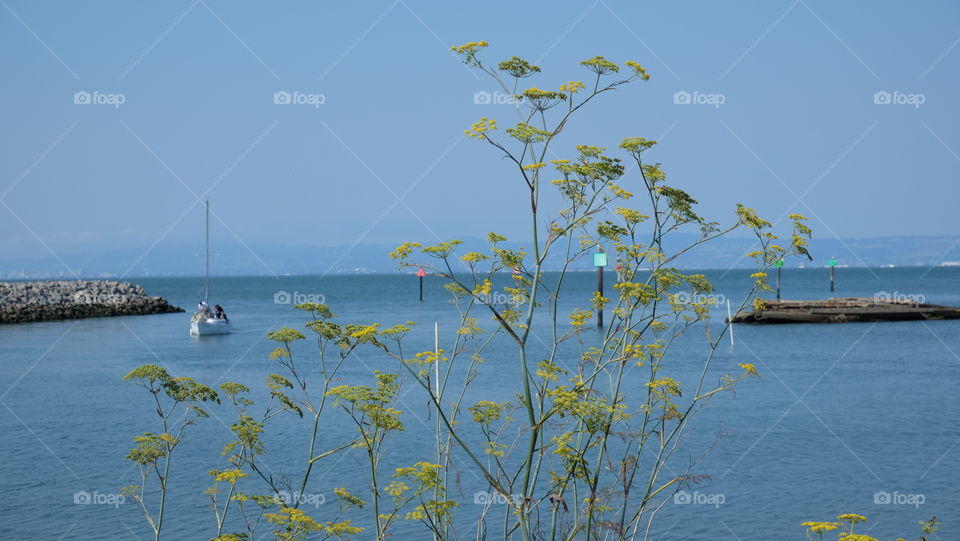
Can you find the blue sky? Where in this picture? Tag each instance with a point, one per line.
(383, 158)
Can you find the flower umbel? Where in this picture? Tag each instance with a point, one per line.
(481, 127)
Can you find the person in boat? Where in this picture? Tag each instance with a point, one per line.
(204, 309)
(220, 314)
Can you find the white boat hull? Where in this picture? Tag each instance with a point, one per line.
(208, 326)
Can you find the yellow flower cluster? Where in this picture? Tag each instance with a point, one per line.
(571, 87)
(534, 166)
(590, 151)
(293, 520)
(638, 69)
(630, 215)
(600, 65)
(579, 317)
(230, 476)
(396, 488)
(820, 527)
(665, 386)
(518, 67)
(365, 332)
(534, 93)
(404, 250)
(424, 472)
(285, 335)
(749, 369)
(473, 257)
(525, 133)
(348, 499)
(469, 327)
(595, 506)
(479, 128)
(636, 144)
(495, 449)
(482, 288)
(469, 48)
(620, 192)
(847, 520)
(495, 238)
(486, 411)
(643, 352)
(549, 371)
(428, 357)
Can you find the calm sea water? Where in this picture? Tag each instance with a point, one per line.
(845, 419)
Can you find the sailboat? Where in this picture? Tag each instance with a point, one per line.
(205, 322)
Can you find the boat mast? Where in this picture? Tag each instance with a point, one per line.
(206, 264)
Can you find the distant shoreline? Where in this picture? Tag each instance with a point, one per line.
(252, 258)
(413, 271)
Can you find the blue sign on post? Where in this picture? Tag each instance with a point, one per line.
(600, 259)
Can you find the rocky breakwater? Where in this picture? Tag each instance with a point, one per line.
(843, 310)
(21, 302)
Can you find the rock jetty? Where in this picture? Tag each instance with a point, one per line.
(21, 302)
(843, 310)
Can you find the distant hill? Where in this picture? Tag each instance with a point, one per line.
(263, 259)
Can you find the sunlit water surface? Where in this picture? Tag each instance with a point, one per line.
(845, 417)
